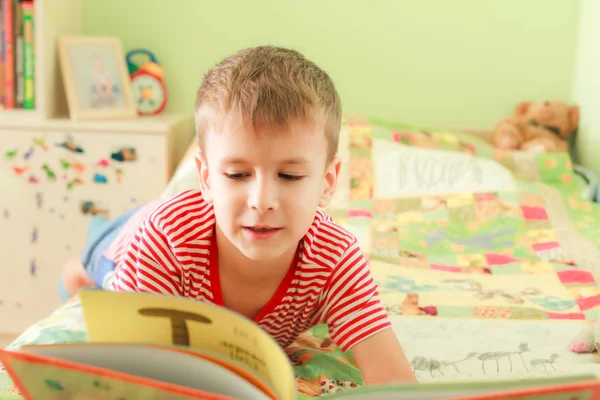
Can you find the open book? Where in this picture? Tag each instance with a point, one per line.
(147, 346)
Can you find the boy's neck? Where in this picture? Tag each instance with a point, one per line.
(232, 263)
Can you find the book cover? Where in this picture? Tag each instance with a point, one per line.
(9, 63)
(46, 378)
(166, 320)
(19, 79)
(2, 55)
(28, 56)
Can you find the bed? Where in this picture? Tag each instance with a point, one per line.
(487, 260)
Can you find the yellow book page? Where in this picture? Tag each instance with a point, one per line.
(157, 319)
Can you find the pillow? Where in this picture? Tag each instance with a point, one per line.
(185, 176)
(554, 169)
(392, 163)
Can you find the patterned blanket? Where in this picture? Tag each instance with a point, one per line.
(487, 261)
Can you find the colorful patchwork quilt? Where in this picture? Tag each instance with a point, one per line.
(487, 261)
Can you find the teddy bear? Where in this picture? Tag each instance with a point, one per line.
(537, 126)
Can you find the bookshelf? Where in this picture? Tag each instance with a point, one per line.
(51, 19)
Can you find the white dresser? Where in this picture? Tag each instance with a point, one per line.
(54, 175)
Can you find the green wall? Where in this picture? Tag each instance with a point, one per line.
(461, 63)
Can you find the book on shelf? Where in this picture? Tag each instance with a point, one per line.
(17, 58)
(164, 347)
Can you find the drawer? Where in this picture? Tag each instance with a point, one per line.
(51, 183)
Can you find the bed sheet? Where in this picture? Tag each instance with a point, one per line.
(483, 278)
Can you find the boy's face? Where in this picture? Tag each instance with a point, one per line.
(266, 185)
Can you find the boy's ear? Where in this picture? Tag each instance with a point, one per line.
(203, 176)
(330, 180)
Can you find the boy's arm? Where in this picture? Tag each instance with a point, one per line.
(149, 264)
(381, 359)
(358, 321)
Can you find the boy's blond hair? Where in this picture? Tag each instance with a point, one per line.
(269, 86)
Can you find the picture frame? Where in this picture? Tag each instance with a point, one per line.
(96, 78)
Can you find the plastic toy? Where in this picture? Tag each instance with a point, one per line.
(147, 83)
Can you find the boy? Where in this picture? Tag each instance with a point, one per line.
(253, 238)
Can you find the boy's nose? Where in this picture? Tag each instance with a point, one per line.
(263, 197)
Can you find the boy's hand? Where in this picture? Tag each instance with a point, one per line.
(75, 277)
(381, 359)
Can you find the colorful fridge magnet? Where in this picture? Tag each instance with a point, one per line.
(11, 154)
(20, 170)
(78, 167)
(89, 208)
(118, 174)
(99, 178)
(124, 154)
(39, 200)
(49, 173)
(103, 163)
(72, 183)
(40, 143)
(68, 144)
(65, 164)
(147, 83)
(28, 154)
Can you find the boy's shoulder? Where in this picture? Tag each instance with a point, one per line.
(182, 211)
(328, 241)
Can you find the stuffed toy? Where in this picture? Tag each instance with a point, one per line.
(542, 127)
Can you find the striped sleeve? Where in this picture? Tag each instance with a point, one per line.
(149, 264)
(353, 310)
(118, 247)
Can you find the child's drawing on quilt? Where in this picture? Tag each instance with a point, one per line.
(400, 284)
(481, 293)
(542, 364)
(502, 362)
(433, 365)
(501, 355)
(496, 239)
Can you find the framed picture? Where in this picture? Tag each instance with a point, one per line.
(96, 78)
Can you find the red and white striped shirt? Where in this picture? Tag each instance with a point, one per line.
(173, 252)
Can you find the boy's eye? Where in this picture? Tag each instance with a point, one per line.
(236, 176)
(289, 177)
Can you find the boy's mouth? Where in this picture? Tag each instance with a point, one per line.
(261, 228)
(261, 232)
